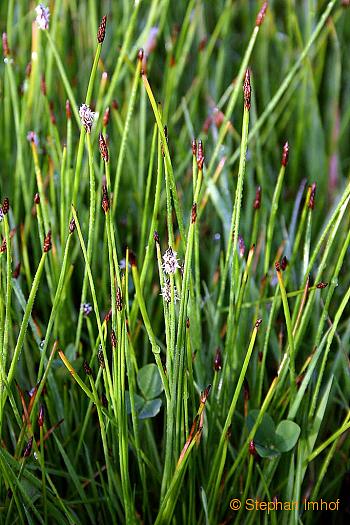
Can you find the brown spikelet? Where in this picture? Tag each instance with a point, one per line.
(47, 242)
(119, 300)
(252, 449)
(194, 213)
(205, 394)
(218, 360)
(258, 323)
(284, 263)
(312, 196)
(104, 400)
(52, 115)
(16, 271)
(101, 359)
(5, 45)
(247, 90)
(115, 104)
(105, 199)
(28, 448)
(37, 198)
(103, 147)
(246, 390)
(41, 416)
(257, 200)
(87, 368)
(156, 236)
(261, 14)
(113, 339)
(321, 285)
(108, 316)
(132, 258)
(188, 323)
(5, 206)
(194, 147)
(106, 117)
(277, 266)
(3, 246)
(285, 155)
(68, 110)
(43, 85)
(72, 226)
(101, 33)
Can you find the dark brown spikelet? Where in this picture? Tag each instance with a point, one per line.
(156, 236)
(106, 117)
(72, 226)
(104, 400)
(218, 360)
(200, 155)
(188, 324)
(101, 359)
(87, 368)
(5, 45)
(43, 85)
(28, 448)
(105, 199)
(252, 449)
(119, 300)
(312, 196)
(205, 394)
(52, 115)
(277, 266)
(113, 339)
(5, 206)
(258, 323)
(68, 110)
(101, 33)
(16, 271)
(257, 200)
(115, 104)
(108, 316)
(47, 242)
(37, 198)
(194, 147)
(285, 155)
(41, 416)
(321, 285)
(246, 390)
(132, 258)
(261, 14)
(103, 147)
(247, 90)
(194, 213)
(3, 246)
(284, 263)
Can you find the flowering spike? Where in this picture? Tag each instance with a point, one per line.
(257, 200)
(156, 237)
(101, 33)
(218, 360)
(103, 147)
(86, 309)
(5, 45)
(247, 90)
(119, 300)
(43, 85)
(42, 16)
(68, 110)
(277, 266)
(205, 394)
(194, 147)
(166, 292)
(321, 285)
(285, 154)
(87, 117)
(37, 198)
(105, 199)
(5, 206)
(252, 449)
(47, 242)
(284, 263)
(170, 261)
(72, 226)
(113, 339)
(258, 323)
(261, 14)
(28, 448)
(106, 117)
(87, 368)
(101, 359)
(41, 416)
(194, 213)
(312, 196)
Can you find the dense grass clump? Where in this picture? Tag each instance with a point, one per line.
(174, 262)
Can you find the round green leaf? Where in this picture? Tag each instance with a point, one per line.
(265, 435)
(150, 409)
(287, 434)
(149, 381)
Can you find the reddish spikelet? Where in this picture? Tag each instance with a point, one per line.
(41, 416)
(194, 213)
(108, 316)
(113, 339)
(246, 390)
(104, 400)
(257, 200)
(132, 258)
(5, 206)
(115, 104)
(247, 90)
(72, 226)
(312, 196)
(277, 266)
(87, 368)
(284, 263)
(101, 359)
(101, 33)
(52, 116)
(188, 324)
(321, 285)
(43, 85)
(106, 117)
(28, 448)
(68, 110)
(261, 14)
(156, 237)
(205, 394)
(260, 356)
(47, 242)
(3, 246)
(119, 300)
(37, 198)
(200, 155)
(5, 45)
(202, 44)
(103, 147)
(105, 200)
(285, 154)
(16, 271)
(258, 323)
(252, 449)
(194, 147)
(218, 360)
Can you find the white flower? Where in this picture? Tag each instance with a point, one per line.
(170, 261)
(42, 16)
(166, 292)
(87, 117)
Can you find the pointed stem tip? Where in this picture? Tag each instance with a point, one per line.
(261, 14)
